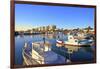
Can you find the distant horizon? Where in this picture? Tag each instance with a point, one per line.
(56, 28)
(30, 16)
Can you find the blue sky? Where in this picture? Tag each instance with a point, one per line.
(29, 16)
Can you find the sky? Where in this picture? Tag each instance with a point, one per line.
(29, 16)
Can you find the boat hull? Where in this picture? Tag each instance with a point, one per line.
(60, 44)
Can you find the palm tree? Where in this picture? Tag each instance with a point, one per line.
(88, 29)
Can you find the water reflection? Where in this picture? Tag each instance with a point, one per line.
(31, 36)
(72, 49)
(51, 36)
(88, 49)
(74, 53)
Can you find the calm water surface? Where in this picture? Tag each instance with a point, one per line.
(72, 52)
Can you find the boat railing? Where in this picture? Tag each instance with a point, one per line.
(39, 49)
(30, 59)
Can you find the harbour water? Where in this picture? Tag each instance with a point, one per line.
(74, 53)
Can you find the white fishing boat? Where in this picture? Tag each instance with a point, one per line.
(73, 41)
(76, 42)
(41, 53)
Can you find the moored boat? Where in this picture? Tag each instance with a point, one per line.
(41, 53)
(73, 41)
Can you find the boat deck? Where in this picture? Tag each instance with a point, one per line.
(50, 57)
